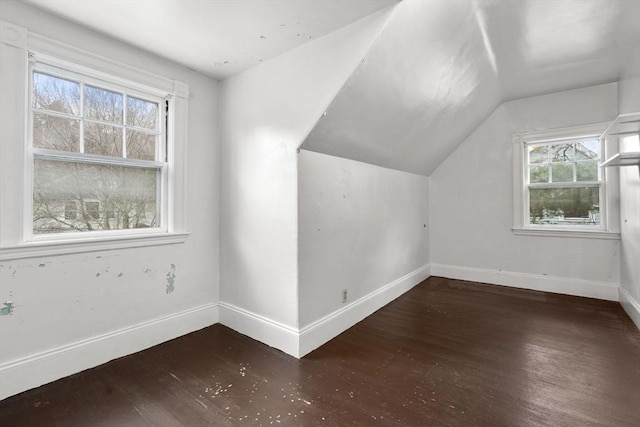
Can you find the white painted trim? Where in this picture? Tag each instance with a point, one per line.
(32, 371)
(321, 331)
(18, 41)
(566, 233)
(609, 191)
(538, 282)
(298, 342)
(65, 247)
(13, 35)
(631, 306)
(83, 58)
(260, 328)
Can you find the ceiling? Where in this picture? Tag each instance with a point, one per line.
(436, 70)
(218, 38)
(439, 68)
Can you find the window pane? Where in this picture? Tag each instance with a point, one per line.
(141, 145)
(562, 172)
(587, 171)
(104, 105)
(142, 113)
(539, 173)
(56, 133)
(102, 139)
(56, 94)
(538, 154)
(587, 150)
(564, 206)
(562, 153)
(71, 197)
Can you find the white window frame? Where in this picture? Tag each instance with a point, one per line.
(20, 48)
(609, 223)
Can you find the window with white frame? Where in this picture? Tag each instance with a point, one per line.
(564, 183)
(93, 150)
(559, 185)
(97, 153)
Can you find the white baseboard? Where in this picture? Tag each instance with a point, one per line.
(538, 282)
(260, 328)
(319, 332)
(631, 306)
(296, 342)
(32, 371)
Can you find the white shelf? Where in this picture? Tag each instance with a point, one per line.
(623, 125)
(623, 159)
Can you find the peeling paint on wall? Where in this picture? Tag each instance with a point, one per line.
(171, 277)
(7, 309)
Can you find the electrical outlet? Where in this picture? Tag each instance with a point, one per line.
(344, 295)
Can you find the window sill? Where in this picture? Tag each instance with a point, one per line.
(567, 233)
(65, 247)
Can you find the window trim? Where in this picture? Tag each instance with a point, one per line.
(48, 65)
(17, 43)
(608, 229)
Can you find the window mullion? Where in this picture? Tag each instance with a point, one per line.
(565, 184)
(549, 168)
(125, 100)
(574, 162)
(44, 153)
(82, 117)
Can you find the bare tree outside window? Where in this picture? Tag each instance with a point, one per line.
(86, 191)
(564, 183)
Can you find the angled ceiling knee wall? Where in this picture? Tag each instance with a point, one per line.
(440, 68)
(266, 112)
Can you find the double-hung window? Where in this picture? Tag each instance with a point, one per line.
(93, 153)
(561, 186)
(98, 154)
(564, 183)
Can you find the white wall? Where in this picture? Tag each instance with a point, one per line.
(629, 102)
(76, 311)
(361, 228)
(265, 114)
(471, 205)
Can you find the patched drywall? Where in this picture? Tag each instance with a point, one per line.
(265, 114)
(361, 227)
(66, 301)
(472, 200)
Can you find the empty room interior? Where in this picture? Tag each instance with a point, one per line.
(320, 212)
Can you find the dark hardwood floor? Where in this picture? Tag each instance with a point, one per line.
(447, 353)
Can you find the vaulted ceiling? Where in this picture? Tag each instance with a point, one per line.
(437, 69)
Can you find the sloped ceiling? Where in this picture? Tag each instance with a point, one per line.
(436, 71)
(219, 38)
(441, 67)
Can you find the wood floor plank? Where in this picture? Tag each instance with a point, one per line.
(447, 353)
